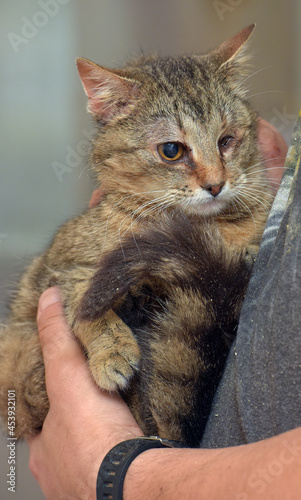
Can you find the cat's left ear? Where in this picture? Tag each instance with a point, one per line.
(111, 94)
(233, 49)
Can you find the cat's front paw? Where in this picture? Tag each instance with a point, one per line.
(112, 351)
(113, 366)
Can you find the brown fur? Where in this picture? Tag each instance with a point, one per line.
(180, 291)
(218, 183)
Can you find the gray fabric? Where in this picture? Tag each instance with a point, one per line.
(260, 392)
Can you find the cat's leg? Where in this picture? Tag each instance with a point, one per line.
(112, 351)
(111, 348)
(22, 377)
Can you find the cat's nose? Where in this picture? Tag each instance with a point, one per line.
(214, 189)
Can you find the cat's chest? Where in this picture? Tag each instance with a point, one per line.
(243, 232)
(119, 223)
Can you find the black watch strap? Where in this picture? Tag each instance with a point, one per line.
(112, 471)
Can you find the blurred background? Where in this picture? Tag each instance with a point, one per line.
(45, 130)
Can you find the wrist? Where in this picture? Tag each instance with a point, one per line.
(156, 474)
(143, 478)
(113, 469)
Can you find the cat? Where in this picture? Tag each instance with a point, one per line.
(175, 135)
(180, 291)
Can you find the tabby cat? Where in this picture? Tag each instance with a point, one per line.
(180, 291)
(185, 198)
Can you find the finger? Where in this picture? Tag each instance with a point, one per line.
(274, 149)
(56, 339)
(96, 197)
(64, 360)
(34, 444)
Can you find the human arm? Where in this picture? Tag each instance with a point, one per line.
(266, 469)
(84, 423)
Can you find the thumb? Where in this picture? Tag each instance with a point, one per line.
(66, 367)
(57, 342)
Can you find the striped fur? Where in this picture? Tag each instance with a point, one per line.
(179, 299)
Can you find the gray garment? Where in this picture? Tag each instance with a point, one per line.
(260, 392)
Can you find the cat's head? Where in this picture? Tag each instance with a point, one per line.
(177, 131)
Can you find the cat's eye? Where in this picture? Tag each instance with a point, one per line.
(171, 151)
(225, 143)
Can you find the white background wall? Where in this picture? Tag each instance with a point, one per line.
(42, 106)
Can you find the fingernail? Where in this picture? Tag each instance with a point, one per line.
(49, 297)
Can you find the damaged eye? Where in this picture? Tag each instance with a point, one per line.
(225, 142)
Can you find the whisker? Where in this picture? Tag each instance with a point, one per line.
(155, 205)
(87, 170)
(266, 167)
(151, 203)
(245, 206)
(133, 195)
(251, 195)
(241, 84)
(268, 92)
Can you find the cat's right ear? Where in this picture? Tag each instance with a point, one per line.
(111, 95)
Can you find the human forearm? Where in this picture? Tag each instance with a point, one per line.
(269, 468)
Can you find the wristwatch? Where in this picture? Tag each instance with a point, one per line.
(114, 466)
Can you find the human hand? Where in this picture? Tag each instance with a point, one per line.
(83, 422)
(273, 149)
(96, 197)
